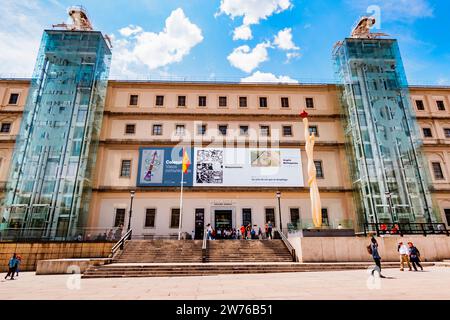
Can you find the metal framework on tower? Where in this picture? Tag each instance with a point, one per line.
(50, 179)
(383, 144)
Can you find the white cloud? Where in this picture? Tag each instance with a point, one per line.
(21, 28)
(397, 10)
(292, 55)
(252, 12)
(261, 77)
(130, 30)
(154, 50)
(443, 82)
(242, 33)
(283, 40)
(246, 59)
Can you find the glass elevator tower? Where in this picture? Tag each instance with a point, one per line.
(383, 144)
(50, 182)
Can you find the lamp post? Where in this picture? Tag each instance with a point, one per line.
(389, 197)
(279, 210)
(132, 192)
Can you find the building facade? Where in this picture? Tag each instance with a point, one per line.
(160, 115)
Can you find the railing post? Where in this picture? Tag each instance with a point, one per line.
(423, 230)
(378, 229)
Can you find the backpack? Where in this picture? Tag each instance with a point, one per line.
(369, 249)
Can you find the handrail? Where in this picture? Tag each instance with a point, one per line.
(288, 245)
(121, 242)
(204, 245)
(402, 229)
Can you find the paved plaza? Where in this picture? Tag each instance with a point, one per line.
(433, 283)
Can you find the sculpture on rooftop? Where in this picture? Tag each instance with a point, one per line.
(362, 30)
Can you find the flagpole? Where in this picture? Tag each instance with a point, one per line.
(180, 222)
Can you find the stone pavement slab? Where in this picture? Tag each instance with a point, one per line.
(434, 283)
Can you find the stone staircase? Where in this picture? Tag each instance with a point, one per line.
(247, 251)
(133, 270)
(157, 258)
(161, 251)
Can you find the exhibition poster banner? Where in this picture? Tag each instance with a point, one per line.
(161, 167)
(247, 167)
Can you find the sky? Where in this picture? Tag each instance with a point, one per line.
(233, 40)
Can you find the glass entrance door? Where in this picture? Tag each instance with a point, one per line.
(223, 219)
(199, 223)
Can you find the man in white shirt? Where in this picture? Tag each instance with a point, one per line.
(403, 250)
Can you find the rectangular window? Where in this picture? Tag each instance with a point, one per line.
(5, 128)
(134, 98)
(285, 102)
(179, 130)
(314, 129)
(182, 101)
(175, 218)
(159, 101)
(263, 102)
(319, 169)
(243, 130)
(125, 169)
(270, 216)
(223, 129)
(437, 171)
(447, 133)
(447, 216)
(130, 129)
(427, 133)
(440, 105)
(222, 102)
(420, 106)
(243, 102)
(295, 216)
(202, 101)
(287, 131)
(201, 129)
(157, 130)
(247, 217)
(265, 131)
(119, 219)
(325, 219)
(309, 103)
(150, 215)
(13, 98)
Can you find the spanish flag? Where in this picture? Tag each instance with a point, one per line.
(186, 162)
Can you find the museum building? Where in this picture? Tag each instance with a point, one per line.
(81, 152)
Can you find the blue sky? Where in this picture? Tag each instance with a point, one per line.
(260, 40)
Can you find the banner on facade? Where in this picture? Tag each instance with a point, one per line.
(221, 167)
(161, 167)
(247, 167)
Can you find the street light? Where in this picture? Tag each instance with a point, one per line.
(279, 210)
(389, 196)
(132, 192)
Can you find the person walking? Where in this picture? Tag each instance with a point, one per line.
(414, 256)
(19, 261)
(12, 265)
(209, 231)
(242, 232)
(403, 250)
(269, 230)
(373, 250)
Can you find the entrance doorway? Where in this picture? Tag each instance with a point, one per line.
(199, 223)
(223, 219)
